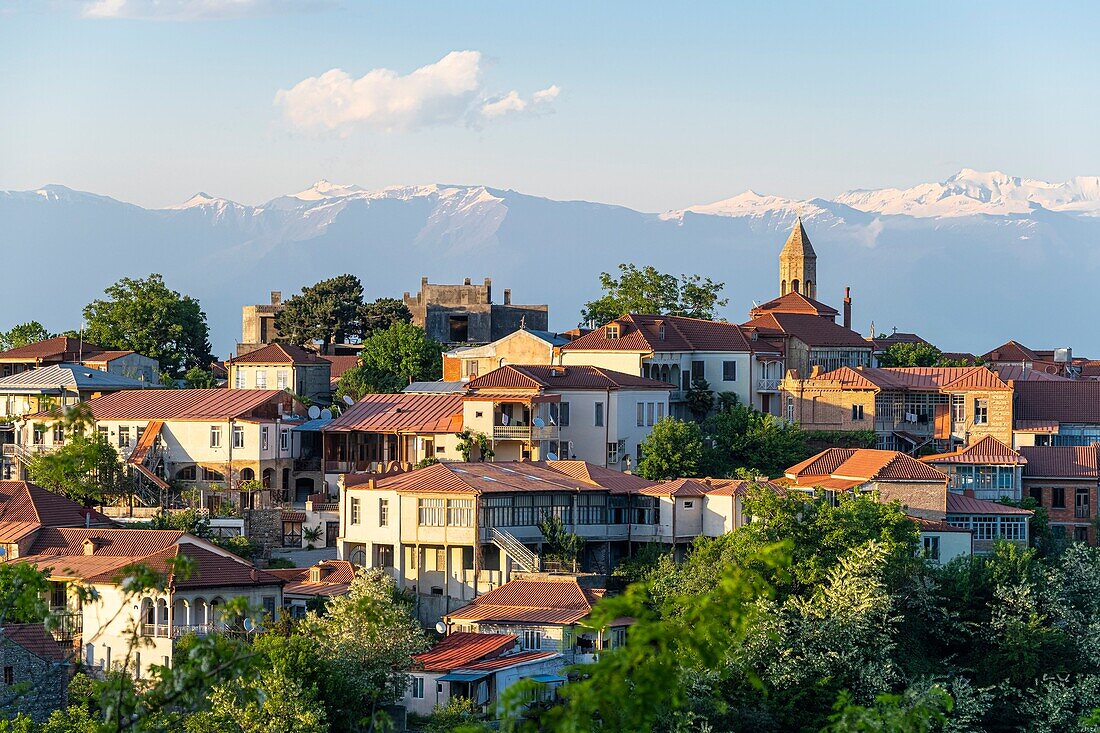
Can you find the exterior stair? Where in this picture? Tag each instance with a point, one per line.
(527, 560)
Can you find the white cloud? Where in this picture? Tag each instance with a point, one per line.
(448, 91)
(194, 9)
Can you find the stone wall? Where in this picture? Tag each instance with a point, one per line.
(264, 526)
(48, 682)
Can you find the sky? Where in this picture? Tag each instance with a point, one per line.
(652, 105)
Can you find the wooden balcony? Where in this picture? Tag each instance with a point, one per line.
(524, 432)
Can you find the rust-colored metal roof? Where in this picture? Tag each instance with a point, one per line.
(677, 487)
(987, 451)
(862, 465)
(278, 353)
(961, 504)
(105, 356)
(183, 404)
(919, 379)
(1061, 401)
(642, 333)
(557, 601)
(35, 639)
(462, 648)
(59, 348)
(389, 413)
(1061, 461)
(508, 477)
(616, 481)
(538, 377)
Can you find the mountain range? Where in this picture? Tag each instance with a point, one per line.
(967, 263)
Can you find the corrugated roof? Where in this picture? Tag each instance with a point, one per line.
(642, 333)
(59, 348)
(1065, 402)
(278, 353)
(71, 377)
(821, 464)
(508, 477)
(439, 387)
(1061, 461)
(538, 377)
(677, 487)
(918, 379)
(427, 413)
(557, 601)
(616, 481)
(183, 404)
(961, 504)
(987, 451)
(462, 648)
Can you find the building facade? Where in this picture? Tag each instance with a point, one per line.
(466, 314)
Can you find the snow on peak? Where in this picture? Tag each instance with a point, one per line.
(749, 204)
(205, 200)
(325, 190)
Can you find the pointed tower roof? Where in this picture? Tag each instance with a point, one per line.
(798, 243)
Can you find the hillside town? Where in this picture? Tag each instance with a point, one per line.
(502, 481)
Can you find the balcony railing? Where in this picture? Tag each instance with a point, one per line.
(66, 625)
(677, 395)
(157, 631)
(768, 385)
(524, 432)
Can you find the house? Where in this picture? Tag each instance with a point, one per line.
(910, 408)
(420, 526)
(283, 367)
(1056, 412)
(522, 346)
(67, 349)
(210, 441)
(986, 469)
(1059, 362)
(544, 612)
(920, 488)
(36, 672)
(99, 628)
(1064, 480)
(542, 412)
(466, 314)
(385, 429)
(58, 386)
(306, 587)
(680, 351)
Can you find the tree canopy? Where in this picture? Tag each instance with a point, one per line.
(673, 449)
(328, 312)
(916, 355)
(147, 317)
(647, 290)
(403, 351)
(85, 468)
(382, 313)
(22, 334)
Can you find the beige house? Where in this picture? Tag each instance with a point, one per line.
(523, 346)
(284, 367)
(66, 349)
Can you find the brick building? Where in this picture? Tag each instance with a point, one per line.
(1064, 479)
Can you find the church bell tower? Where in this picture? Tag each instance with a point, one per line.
(798, 264)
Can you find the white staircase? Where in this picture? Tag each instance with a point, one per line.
(515, 549)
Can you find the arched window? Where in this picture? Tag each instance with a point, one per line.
(247, 474)
(783, 287)
(268, 477)
(809, 288)
(794, 285)
(187, 473)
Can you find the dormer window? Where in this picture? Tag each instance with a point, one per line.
(611, 331)
(315, 574)
(661, 330)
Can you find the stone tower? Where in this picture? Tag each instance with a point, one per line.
(798, 264)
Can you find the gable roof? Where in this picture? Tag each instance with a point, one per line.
(794, 302)
(503, 477)
(1061, 461)
(642, 333)
(183, 404)
(340, 364)
(26, 507)
(608, 478)
(809, 329)
(863, 465)
(916, 379)
(462, 648)
(412, 412)
(677, 487)
(1010, 351)
(56, 378)
(1075, 401)
(59, 348)
(336, 579)
(987, 451)
(278, 353)
(550, 601)
(538, 377)
(35, 639)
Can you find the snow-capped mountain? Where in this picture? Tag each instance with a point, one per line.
(947, 260)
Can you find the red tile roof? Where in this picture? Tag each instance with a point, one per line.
(736, 487)
(405, 412)
(341, 364)
(987, 451)
(794, 302)
(25, 507)
(105, 356)
(184, 404)
(462, 648)
(809, 329)
(677, 487)
(35, 639)
(59, 348)
(1011, 351)
(65, 541)
(642, 332)
(821, 464)
(336, 578)
(961, 504)
(277, 353)
(1066, 402)
(557, 601)
(538, 377)
(1058, 461)
(863, 464)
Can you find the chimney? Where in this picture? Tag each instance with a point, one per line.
(423, 282)
(488, 290)
(466, 281)
(847, 307)
(276, 297)
(817, 371)
(507, 296)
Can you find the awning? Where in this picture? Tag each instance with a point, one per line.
(312, 426)
(547, 678)
(464, 676)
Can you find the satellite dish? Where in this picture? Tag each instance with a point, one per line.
(441, 627)
(326, 414)
(538, 422)
(314, 412)
(551, 456)
(249, 626)
(348, 400)
(504, 419)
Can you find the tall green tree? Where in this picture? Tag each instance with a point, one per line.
(22, 334)
(673, 449)
(148, 317)
(382, 313)
(739, 437)
(327, 312)
(403, 351)
(648, 290)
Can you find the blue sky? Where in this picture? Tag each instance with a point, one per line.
(650, 105)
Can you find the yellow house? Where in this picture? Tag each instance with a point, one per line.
(286, 367)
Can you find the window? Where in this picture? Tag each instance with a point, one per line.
(641, 414)
(268, 603)
(1081, 504)
(383, 512)
(124, 436)
(58, 434)
(958, 408)
(261, 379)
(9, 676)
(264, 439)
(460, 513)
(790, 409)
(698, 370)
(418, 688)
(612, 452)
(431, 512)
(611, 331)
(563, 411)
(649, 413)
(102, 433)
(435, 559)
(660, 411)
(238, 436)
(354, 511)
(215, 436)
(282, 379)
(932, 548)
(1081, 534)
(187, 473)
(857, 412)
(383, 556)
(981, 412)
(209, 474)
(598, 415)
(729, 371)
(292, 534)
(238, 380)
(284, 439)
(689, 504)
(469, 368)
(1058, 497)
(532, 640)
(459, 327)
